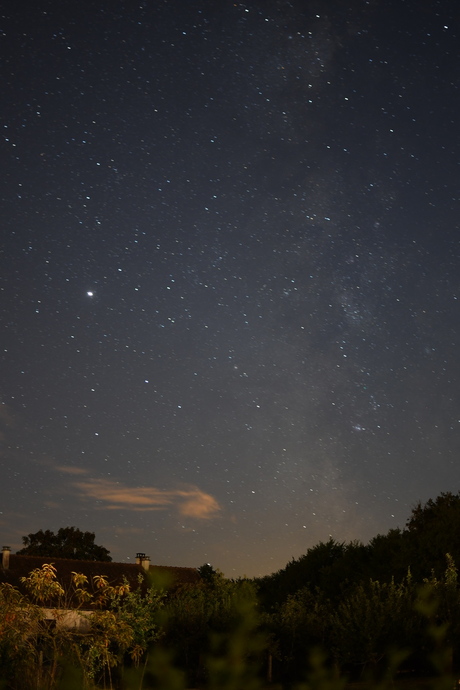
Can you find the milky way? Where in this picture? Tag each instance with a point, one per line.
(230, 276)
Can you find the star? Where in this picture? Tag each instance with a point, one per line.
(271, 236)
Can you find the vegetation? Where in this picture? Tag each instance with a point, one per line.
(336, 614)
(52, 629)
(69, 542)
(335, 568)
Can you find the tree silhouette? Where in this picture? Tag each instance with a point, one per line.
(69, 542)
(433, 530)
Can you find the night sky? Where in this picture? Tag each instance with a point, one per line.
(230, 276)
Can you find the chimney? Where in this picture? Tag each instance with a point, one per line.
(143, 560)
(6, 557)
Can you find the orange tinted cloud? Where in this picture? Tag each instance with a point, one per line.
(197, 504)
(70, 469)
(189, 501)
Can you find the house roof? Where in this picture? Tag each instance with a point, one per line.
(20, 566)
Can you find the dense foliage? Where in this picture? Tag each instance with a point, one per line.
(432, 531)
(378, 610)
(52, 629)
(68, 542)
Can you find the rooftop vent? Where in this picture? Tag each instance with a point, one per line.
(6, 557)
(143, 560)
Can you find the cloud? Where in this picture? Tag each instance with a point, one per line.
(197, 504)
(189, 501)
(70, 469)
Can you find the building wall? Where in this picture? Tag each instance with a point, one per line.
(69, 619)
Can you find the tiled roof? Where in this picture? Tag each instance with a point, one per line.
(175, 574)
(21, 566)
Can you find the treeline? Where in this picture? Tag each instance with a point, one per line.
(374, 629)
(394, 602)
(360, 602)
(215, 635)
(343, 610)
(432, 531)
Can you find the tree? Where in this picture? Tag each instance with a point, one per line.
(96, 628)
(372, 620)
(389, 555)
(299, 625)
(207, 573)
(308, 570)
(201, 619)
(331, 566)
(433, 530)
(20, 626)
(69, 542)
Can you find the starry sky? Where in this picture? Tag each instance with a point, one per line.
(230, 272)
